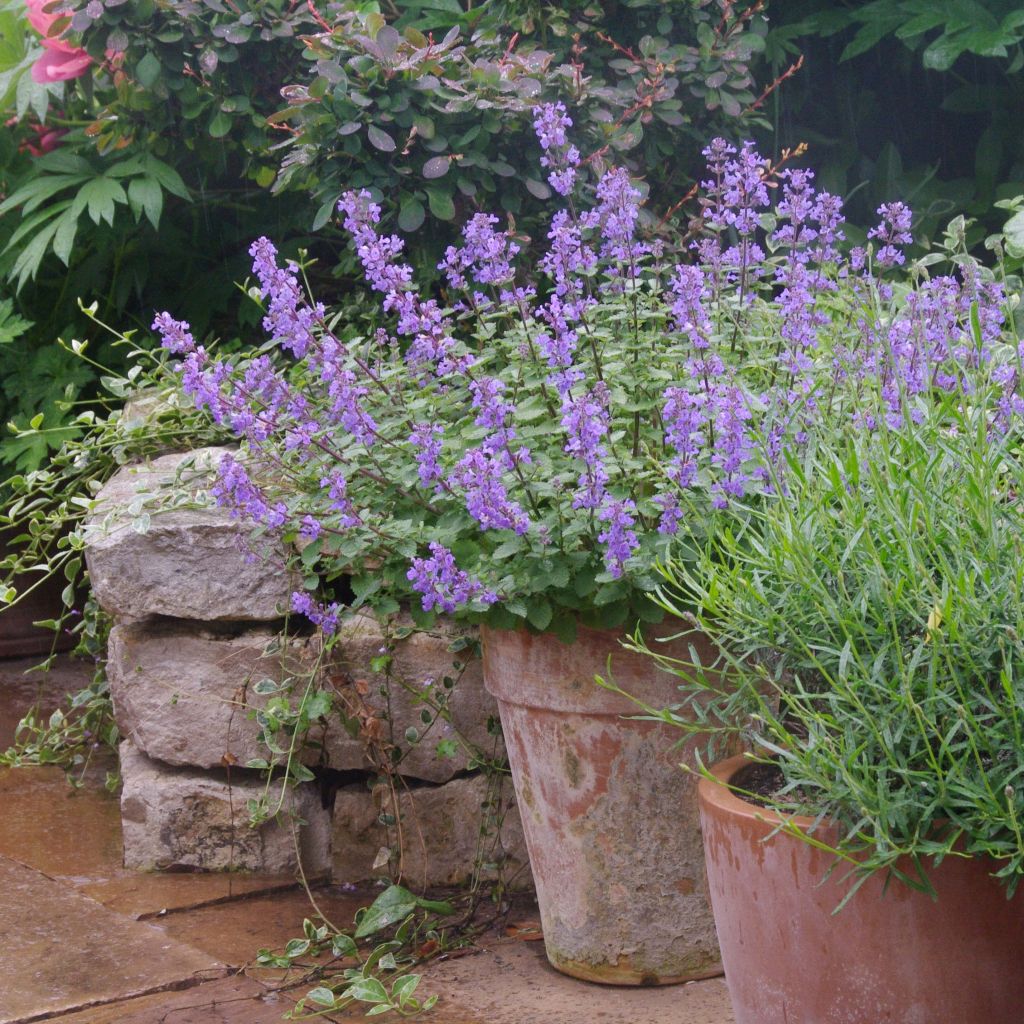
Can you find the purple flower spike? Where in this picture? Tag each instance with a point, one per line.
(619, 539)
(892, 232)
(443, 585)
(175, 335)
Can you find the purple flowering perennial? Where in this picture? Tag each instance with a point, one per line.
(443, 585)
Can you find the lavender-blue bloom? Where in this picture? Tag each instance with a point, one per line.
(175, 335)
(425, 439)
(480, 474)
(618, 537)
(443, 585)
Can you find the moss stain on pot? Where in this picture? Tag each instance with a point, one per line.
(610, 818)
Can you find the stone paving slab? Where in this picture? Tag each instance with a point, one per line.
(511, 982)
(62, 951)
(236, 1000)
(235, 932)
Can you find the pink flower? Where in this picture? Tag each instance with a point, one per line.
(60, 60)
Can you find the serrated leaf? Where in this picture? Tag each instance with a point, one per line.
(64, 237)
(146, 196)
(100, 197)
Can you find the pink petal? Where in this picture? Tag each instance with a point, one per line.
(60, 65)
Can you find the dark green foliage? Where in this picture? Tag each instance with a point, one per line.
(218, 122)
(916, 100)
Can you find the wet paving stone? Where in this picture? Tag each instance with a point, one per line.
(63, 951)
(87, 942)
(237, 1000)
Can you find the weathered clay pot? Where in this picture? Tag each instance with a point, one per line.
(890, 956)
(18, 637)
(610, 818)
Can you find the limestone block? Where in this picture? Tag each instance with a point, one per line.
(181, 819)
(150, 551)
(435, 838)
(183, 693)
(421, 660)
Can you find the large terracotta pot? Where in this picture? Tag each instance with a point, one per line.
(18, 637)
(610, 818)
(890, 956)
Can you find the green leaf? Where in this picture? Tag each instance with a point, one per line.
(220, 125)
(321, 996)
(539, 613)
(1014, 232)
(380, 139)
(147, 71)
(441, 205)
(368, 990)
(100, 196)
(436, 167)
(342, 945)
(394, 904)
(146, 196)
(412, 214)
(169, 179)
(64, 236)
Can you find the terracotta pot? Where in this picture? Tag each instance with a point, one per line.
(18, 637)
(890, 956)
(609, 816)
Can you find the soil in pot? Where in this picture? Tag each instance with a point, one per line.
(892, 955)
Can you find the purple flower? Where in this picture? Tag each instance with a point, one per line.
(685, 416)
(290, 319)
(689, 289)
(616, 214)
(486, 255)
(619, 539)
(425, 439)
(892, 232)
(175, 335)
(235, 491)
(324, 616)
(585, 419)
(493, 412)
(550, 122)
(337, 492)
(480, 473)
(443, 585)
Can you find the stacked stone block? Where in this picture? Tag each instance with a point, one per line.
(198, 632)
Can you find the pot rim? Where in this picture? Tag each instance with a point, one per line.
(715, 793)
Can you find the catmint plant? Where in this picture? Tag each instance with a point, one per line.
(515, 446)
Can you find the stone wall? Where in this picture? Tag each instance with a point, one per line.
(197, 652)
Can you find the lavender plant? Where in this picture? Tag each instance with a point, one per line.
(515, 448)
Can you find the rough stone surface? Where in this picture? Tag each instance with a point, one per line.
(183, 693)
(188, 562)
(435, 837)
(176, 819)
(420, 662)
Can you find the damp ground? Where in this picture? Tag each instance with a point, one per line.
(85, 941)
